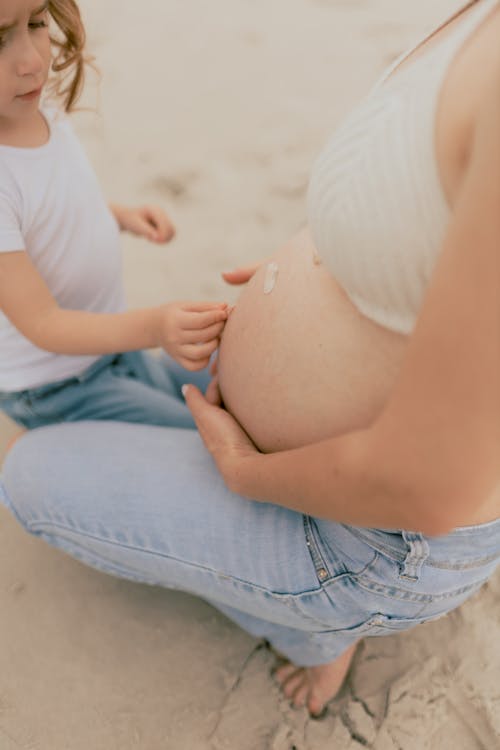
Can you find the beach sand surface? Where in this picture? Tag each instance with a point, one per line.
(217, 112)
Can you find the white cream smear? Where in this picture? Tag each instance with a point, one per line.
(270, 277)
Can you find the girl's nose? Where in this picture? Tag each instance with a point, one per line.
(29, 61)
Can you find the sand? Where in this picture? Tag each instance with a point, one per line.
(217, 110)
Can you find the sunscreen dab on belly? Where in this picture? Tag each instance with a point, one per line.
(270, 277)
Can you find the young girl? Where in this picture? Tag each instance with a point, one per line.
(61, 293)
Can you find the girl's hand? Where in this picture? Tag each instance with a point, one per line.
(227, 442)
(190, 331)
(150, 222)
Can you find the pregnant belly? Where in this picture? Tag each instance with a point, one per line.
(297, 361)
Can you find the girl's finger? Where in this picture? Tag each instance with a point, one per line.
(200, 320)
(199, 307)
(140, 226)
(195, 352)
(203, 335)
(193, 365)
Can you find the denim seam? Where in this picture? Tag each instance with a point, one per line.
(100, 562)
(418, 552)
(27, 403)
(383, 548)
(393, 592)
(474, 530)
(49, 389)
(470, 565)
(372, 620)
(322, 570)
(316, 544)
(398, 555)
(55, 417)
(39, 528)
(11, 507)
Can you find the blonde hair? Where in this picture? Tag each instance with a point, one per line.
(69, 60)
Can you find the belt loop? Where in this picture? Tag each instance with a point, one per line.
(418, 552)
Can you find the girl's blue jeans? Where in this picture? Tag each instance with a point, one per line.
(147, 503)
(128, 387)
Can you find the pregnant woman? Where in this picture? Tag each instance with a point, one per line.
(352, 486)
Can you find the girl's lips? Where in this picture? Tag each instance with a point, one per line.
(30, 95)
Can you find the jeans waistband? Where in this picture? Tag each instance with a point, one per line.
(43, 390)
(465, 544)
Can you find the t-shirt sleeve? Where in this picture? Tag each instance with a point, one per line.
(10, 229)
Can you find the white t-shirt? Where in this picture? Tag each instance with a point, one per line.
(52, 206)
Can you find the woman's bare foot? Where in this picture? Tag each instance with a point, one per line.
(314, 686)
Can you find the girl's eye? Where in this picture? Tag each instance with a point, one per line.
(41, 22)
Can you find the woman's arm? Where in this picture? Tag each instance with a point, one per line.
(433, 456)
(188, 331)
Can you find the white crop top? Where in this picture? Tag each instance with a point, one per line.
(376, 206)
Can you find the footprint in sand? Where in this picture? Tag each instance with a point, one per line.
(176, 187)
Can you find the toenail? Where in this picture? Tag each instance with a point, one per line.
(322, 714)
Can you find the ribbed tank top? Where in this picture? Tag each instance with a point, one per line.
(376, 206)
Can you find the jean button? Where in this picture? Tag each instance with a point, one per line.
(322, 574)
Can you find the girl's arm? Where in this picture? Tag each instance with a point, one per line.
(188, 331)
(432, 459)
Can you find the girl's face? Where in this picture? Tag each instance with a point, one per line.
(25, 57)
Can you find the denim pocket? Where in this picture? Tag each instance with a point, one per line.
(360, 630)
(375, 624)
(383, 578)
(47, 407)
(124, 366)
(37, 407)
(20, 408)
(363, 587)
(441, 604)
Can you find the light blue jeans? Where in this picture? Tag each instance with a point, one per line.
(130, 387)
(147, 503)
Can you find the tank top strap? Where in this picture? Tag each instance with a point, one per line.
(472, 20)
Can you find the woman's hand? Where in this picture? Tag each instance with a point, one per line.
(148, 221)
(212, 393)
(241, 275)
(226, 441)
